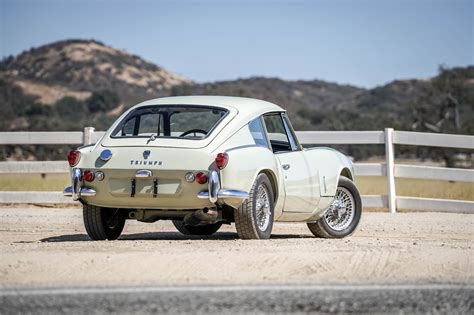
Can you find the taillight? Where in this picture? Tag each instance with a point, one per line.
(221, 160)
(201, 178)
(88, 175)
(73, 157)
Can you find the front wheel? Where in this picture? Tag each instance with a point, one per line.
(254, 218)
(343, 215)
(103, 223)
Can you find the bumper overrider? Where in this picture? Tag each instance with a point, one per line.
(215, 192)
(76, 191)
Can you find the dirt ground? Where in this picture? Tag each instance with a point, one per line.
(48, 247)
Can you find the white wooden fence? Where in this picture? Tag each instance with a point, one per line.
(388, 137)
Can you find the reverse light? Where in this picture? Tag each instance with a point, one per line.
(99, 175)
(201, 178)
(189, 176)
(88, 175)
(73, 157)
(221, 160)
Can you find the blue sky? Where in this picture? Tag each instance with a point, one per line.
(360, 42)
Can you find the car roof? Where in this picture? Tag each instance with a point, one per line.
(241, 111)
(245, 106)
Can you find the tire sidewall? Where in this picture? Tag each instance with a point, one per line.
(95, 222)
(349, 185)
(262, 179)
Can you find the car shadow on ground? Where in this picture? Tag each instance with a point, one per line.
(163, 236)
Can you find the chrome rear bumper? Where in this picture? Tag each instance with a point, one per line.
(215, 192)
(76, 191)
(85, 191)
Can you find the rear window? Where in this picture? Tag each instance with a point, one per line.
(175, 121)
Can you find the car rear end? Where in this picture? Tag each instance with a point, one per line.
(164, 180)
(153, 157)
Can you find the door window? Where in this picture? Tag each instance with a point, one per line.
(291, 133)
(277, 133)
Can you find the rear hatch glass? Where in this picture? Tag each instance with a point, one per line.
(169, 125)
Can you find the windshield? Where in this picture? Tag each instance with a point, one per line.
(177, 121)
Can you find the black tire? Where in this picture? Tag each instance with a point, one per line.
(321, 228)
(103, 223)
(208, 229)
(246, 222)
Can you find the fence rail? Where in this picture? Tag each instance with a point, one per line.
(388, 137)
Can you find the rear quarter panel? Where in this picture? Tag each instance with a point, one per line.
(245, 163)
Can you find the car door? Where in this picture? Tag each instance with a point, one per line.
(299, 191)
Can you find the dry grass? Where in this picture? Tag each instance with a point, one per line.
(367, 186)
(418, 188)
(34, 182)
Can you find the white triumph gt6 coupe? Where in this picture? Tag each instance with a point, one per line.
(204, 161)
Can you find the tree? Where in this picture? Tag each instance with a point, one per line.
(102, 101)
(69, 108)
(446, 107)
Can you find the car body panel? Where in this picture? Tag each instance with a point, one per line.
(302, 192)
(301, 188)
(245, 163)
(330, 164)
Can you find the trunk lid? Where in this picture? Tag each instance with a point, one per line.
(164, 188)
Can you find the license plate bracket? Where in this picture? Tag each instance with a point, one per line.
(155, 187)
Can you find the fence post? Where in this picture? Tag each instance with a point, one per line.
(87, 135)
(389, 155)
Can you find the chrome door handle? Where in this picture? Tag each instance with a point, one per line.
(286, 166)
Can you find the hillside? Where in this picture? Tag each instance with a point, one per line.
(70, 84)
(77, 67)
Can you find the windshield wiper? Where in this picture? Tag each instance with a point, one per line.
(152, 138)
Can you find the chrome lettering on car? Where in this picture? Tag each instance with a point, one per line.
(144, 163)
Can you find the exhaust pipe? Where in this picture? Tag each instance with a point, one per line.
(202, 216)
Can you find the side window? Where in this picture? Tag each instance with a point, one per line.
(258, 134)
(277, 133)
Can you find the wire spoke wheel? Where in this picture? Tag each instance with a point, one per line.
(262, 208)
(254, 217)
(341, 212)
